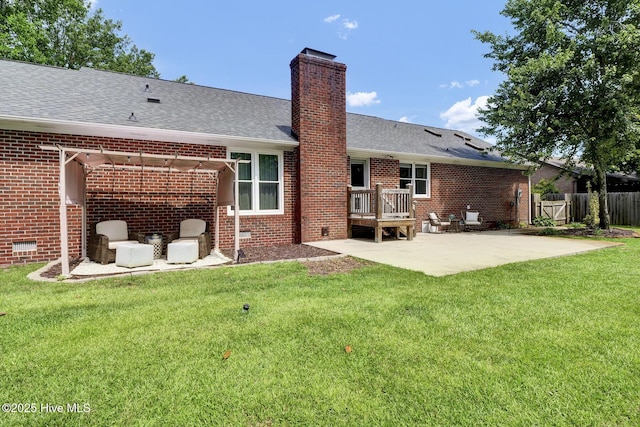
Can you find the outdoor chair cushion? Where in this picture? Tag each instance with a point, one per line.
(436, 224)
(106, 237)
(134, 255)
(472, 218)
(114, 230)
(193, 229)
(182, 251)
(435, 219)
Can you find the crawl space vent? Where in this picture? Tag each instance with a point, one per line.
(24, 246)
(153, 100)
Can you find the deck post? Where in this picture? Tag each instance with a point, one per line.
(379, 203)
(349, 225)
(412, 213)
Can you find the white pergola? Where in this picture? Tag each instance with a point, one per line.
(225, 171)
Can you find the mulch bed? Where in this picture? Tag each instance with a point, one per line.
(278, 252)
(610, 233)
(266, 254)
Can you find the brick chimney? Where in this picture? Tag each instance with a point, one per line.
(319, 121)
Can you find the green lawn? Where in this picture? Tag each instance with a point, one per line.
(549, 342)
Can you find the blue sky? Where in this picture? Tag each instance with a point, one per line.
(414, 61)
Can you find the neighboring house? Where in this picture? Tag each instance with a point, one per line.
(575, 180)
(300, 157)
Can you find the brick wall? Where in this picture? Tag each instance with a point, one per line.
(318, 119)
(385, 172)
(149, 201)
(487, 190)
(565, 183)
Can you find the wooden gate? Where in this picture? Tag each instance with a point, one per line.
(558, 210)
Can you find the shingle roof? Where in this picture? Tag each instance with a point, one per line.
(94, 96)
(388, 136)
(109, 98)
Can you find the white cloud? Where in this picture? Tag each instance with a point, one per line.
(454, 84)
(346, 25)
(350, 25)
(404, 119)
(463, 115)
(332, 18)
(362, 99)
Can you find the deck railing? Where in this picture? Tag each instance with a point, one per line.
(381, 203)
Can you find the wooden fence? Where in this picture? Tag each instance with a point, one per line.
(624, 208)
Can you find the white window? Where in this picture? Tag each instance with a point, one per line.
(417, 175)
(260, 182)
(359, 173)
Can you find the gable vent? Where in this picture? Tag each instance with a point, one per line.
(434, 133)
(24, 246)
(154, 100)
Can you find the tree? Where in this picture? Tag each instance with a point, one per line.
(65, 33)
(183, 79)
(572, 84)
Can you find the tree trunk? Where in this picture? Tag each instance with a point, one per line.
(601, 182)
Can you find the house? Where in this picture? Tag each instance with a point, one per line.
(574, 180)
(294, 159)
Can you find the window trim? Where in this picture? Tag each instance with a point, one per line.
(255, 181)
(367, 179)
(413, 178)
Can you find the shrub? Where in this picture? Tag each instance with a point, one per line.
(543, 221)
(592, 220)
(545, 187)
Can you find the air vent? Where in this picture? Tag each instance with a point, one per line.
(153, 100)
(24, 246)
(432, 132)
(477, 147)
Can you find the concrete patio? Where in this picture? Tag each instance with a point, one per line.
(451, 253)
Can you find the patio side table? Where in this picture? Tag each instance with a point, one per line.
(455, 224)
(156, 241)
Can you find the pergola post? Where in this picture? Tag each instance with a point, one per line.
(236, 213)
(83, 232)
(64, 237)
(216, 234)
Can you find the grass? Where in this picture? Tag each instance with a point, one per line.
(548, 342)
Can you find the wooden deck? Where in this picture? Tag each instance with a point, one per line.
(380, 209)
